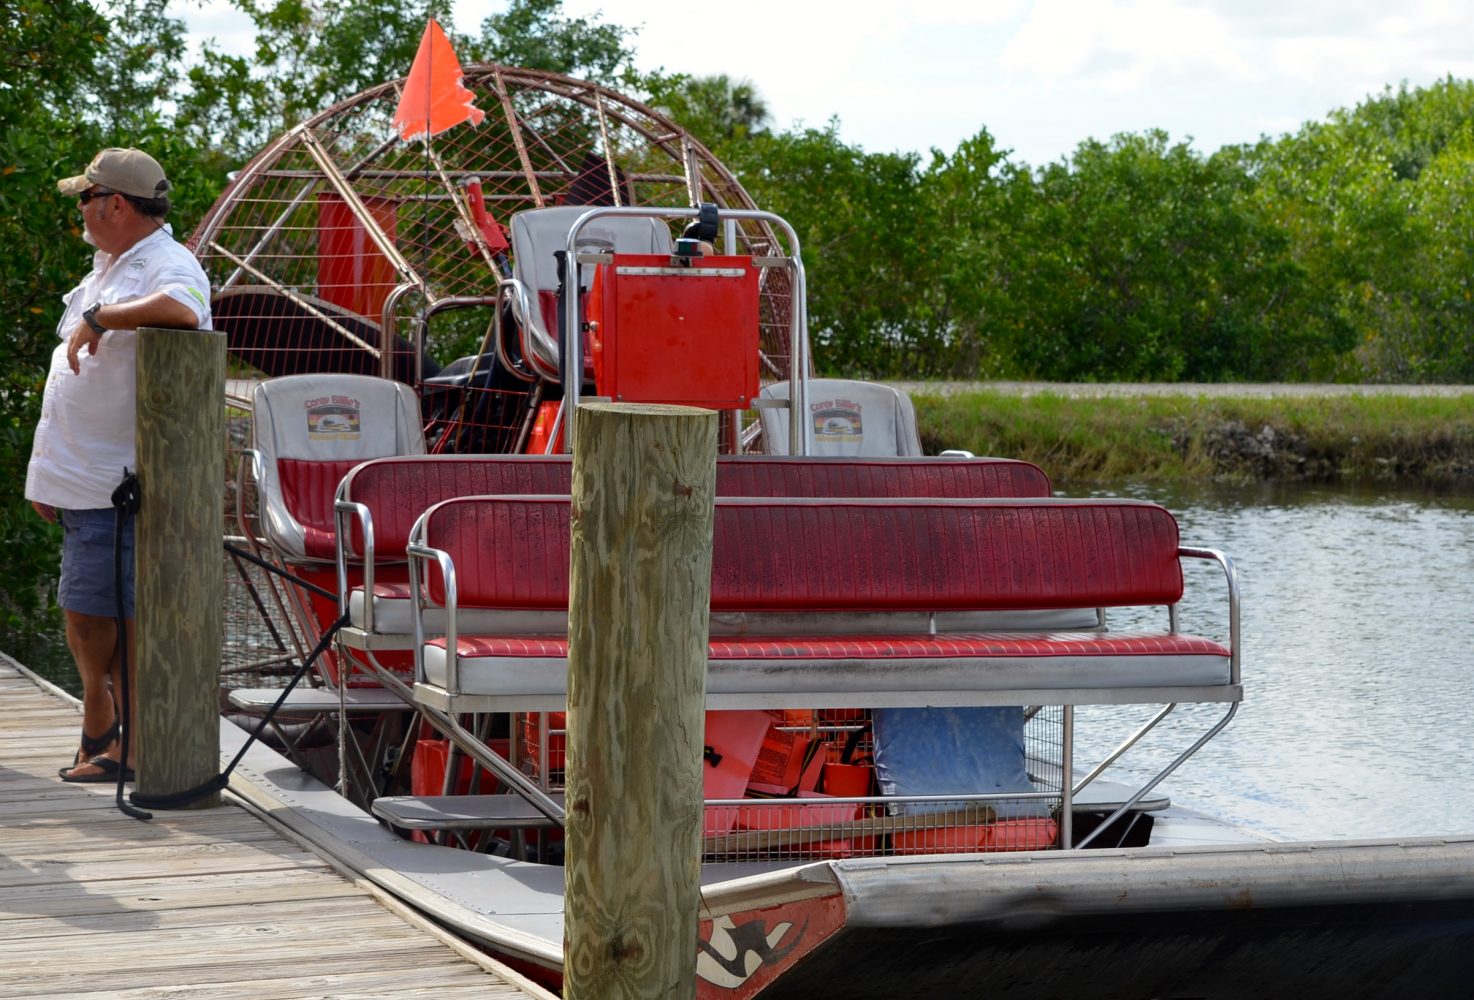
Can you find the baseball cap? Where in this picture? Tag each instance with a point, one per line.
(126, 171)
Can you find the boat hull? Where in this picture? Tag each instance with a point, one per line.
(1338, 918)
(1327, 919)
(1310, 951)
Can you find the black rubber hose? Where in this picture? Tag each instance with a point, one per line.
(125, 503)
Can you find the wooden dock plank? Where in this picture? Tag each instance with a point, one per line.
(104, 897)
(57, 836)
(80, 976)
(158, 862)
(333, 911)
(352, 986)
(194, 903)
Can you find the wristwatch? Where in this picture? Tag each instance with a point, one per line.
(89, 316)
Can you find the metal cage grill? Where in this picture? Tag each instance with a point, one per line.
(367, 246)
(816, 824)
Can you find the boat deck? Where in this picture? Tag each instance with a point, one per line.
(211, 901)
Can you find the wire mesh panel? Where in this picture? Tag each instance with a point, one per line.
(837, 807)
(539, 745)
(811, 792)
(262, 642)
(1044, 746)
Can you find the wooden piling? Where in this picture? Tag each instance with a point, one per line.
(644, 476)
(179, 574)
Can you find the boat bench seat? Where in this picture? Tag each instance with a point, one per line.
(378, 502)
(857, 603)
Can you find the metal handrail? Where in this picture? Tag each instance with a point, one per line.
(798, 323)
(1231, 576)
(343, 512)
(442, 721)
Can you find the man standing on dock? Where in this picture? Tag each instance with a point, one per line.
(141, 276)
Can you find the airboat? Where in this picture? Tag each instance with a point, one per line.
(906, 651)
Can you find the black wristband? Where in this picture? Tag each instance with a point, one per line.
(89, 316)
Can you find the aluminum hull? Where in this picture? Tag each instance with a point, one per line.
(1335, 918)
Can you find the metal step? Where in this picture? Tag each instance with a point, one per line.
(1107, 796)
(461, 812)
(315, 700)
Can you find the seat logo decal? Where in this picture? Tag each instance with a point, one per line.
(837, 420)
(332, 418)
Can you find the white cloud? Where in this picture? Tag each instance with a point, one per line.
(1040, 75)
(1126, 47)
(231, 30)
(955, 13)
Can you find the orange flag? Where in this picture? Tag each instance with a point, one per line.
(434, 98)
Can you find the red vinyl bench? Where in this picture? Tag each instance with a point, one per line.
(831, 603)
(849, 603)
(379, 501)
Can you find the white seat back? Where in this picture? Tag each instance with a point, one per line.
(537, 235)
(846, 417)
(308, 431)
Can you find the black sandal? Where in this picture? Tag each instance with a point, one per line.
(92, 746)
(107, 771)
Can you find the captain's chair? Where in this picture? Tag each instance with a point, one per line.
(537, 235)
(845, 417)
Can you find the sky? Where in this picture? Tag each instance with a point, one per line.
(1040, 75)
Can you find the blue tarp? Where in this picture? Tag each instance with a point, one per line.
(953, 751)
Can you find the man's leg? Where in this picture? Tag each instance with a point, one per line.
(104, 671)
(89, 599)
(94, 645)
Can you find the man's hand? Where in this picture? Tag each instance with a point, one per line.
(155, 309)
(83, 334)
(47, 512)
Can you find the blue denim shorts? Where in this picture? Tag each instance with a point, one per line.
(87, 572)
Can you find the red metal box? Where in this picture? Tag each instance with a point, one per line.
(676, 334)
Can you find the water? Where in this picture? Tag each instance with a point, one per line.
(1359, 693)
(1356, 661)
(45, 652)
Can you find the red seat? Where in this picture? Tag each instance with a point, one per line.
(307, 431)
(853, 588)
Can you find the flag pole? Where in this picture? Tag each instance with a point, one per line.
(425, 197)
(456, 107)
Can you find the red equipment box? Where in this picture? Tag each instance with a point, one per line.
(676, 334)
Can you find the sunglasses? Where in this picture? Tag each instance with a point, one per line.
(87, 196)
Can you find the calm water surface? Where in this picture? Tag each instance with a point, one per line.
(1358, 609)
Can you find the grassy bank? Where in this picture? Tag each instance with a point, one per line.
(1172, 438)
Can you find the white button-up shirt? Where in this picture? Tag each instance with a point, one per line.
(84, 439)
